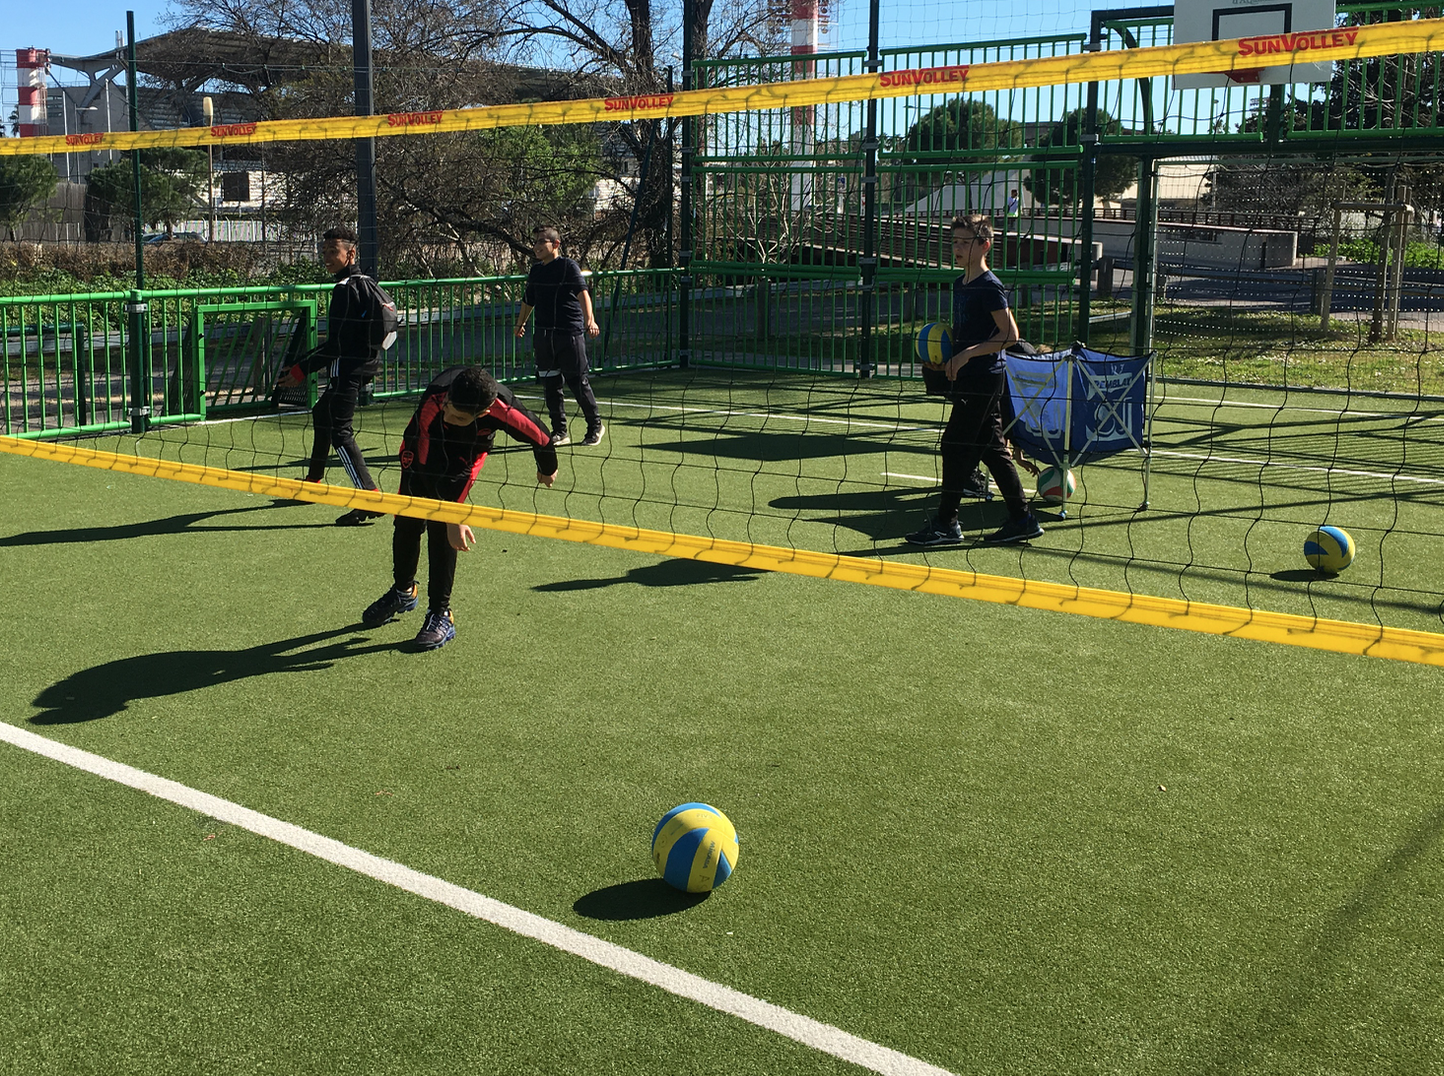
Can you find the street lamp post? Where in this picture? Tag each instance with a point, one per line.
(210, 113)
(65, 122)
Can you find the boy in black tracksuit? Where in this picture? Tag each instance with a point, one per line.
(351, 363)
(556, 290)
(442, 451)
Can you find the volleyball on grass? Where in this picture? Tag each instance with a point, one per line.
(1329, 549)
(694, 848)
(934, 346)
(1056, 485)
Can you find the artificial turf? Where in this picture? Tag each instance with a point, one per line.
(994, 839)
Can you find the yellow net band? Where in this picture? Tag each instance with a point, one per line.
(1238, 55)
(1341, 636)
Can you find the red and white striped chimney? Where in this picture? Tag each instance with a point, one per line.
(30, 68)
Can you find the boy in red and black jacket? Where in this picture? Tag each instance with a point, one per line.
(442, 451)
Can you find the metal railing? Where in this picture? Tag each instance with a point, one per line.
(76, 364)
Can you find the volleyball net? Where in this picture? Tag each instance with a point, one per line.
(764, 394)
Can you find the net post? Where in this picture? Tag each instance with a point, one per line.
(867, 262)
(1089, 182)
(1145, 256)
(684, 208)
(133, 94)
(365, 147)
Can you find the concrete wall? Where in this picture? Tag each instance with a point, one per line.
(1204, 246)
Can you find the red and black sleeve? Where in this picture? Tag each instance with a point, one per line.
(525, 426)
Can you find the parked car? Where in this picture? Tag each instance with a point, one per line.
(161, 237)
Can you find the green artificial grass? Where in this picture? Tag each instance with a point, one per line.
(995, 839)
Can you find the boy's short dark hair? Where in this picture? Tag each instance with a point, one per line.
(547, 232)
(473, 390)
(341, 232)
(976, 223)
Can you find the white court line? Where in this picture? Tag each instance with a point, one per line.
(930, 479)
(765, 416)
(1252, 463)
(803, 1029)
(1301, 467)
(1281, 407)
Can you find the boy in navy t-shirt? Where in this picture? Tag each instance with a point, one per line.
(983, 326)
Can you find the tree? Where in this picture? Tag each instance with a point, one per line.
(959, 132)
(427, 55)
(171, 180)
(768, 217)
(449, 192)
(620, 43)
(25, 182)
(1055, 182)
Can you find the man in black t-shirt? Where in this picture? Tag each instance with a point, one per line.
(983, 326)
(556, 291)
(442, 451)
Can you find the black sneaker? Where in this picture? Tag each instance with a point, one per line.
(393, 603)
(977, 487)
(594, 436)
(1022, 529)
(436, 631)
(358, 517)
(937, 533)
(560, 438)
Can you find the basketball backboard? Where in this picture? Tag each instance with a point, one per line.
(1217, 20)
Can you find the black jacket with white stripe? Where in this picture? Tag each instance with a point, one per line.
(347, 350)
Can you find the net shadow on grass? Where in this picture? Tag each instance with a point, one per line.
(108, 689)
(1277, 1003)
(645, 898)
(181, 524)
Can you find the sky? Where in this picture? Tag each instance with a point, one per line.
(87, 27)
(73, 27)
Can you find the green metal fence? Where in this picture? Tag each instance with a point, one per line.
(819, 239)
(74, 364)
(821, 235)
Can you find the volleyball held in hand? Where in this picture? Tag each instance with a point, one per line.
(1329, 549)
(694, 848)
(1056, 485)
(934, 346)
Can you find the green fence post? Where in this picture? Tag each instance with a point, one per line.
(135, 309)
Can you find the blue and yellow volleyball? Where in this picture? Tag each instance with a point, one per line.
(694, 848)
(1056, 485)
(934, 346)
(1329, 549)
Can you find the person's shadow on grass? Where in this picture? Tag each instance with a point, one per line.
(646, 898)
(886, 515)
(181, 524)
(110, 688)
(668, 573)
